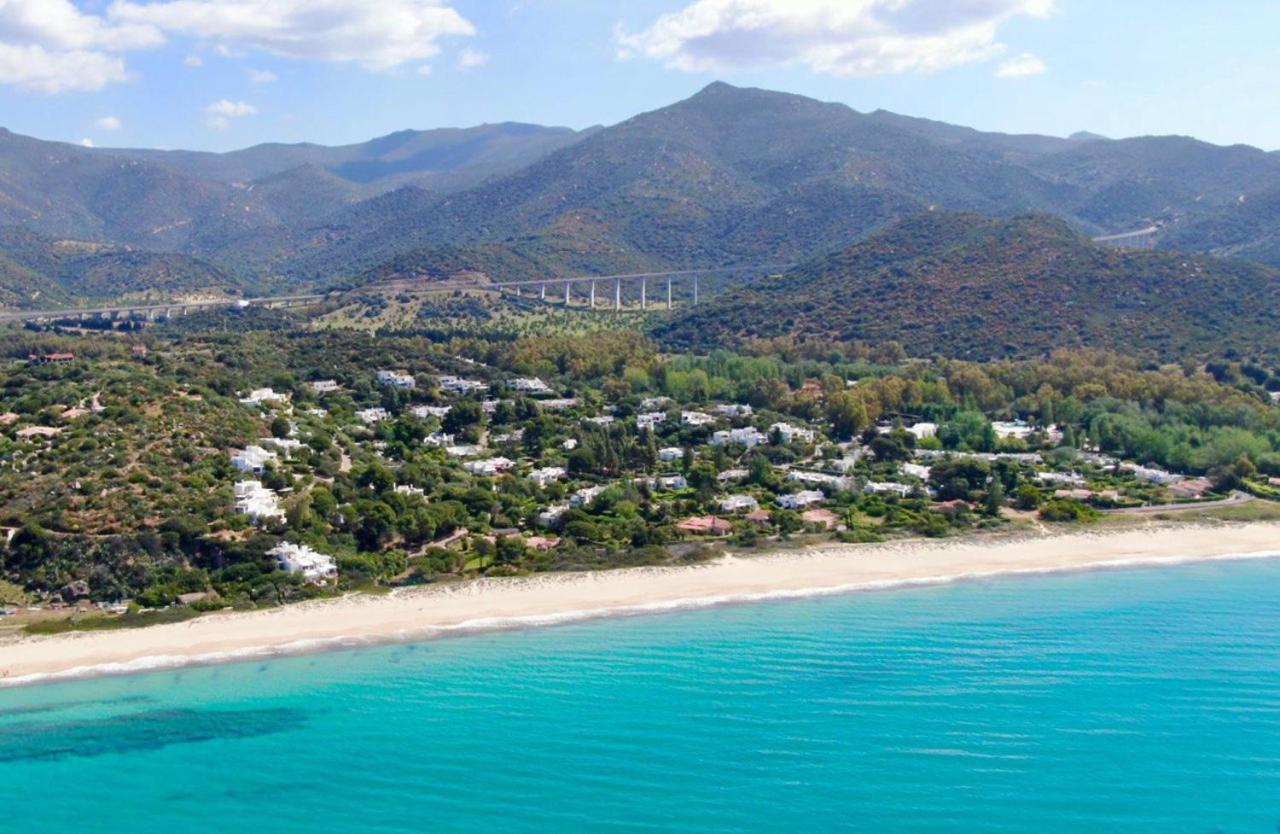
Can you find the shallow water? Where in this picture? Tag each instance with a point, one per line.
(1120, 701)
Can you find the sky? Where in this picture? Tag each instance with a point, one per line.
(225, 74)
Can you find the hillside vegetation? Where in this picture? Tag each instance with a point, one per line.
(36, 271)
(730, 175)
(963, 285)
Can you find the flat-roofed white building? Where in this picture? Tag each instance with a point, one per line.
(801, 499)
(457, 385)
(670, 453)
(887, 488)
(530, 385)
(790, 433)
(546, 475)
(826, 479)
(252, 459)
(369, 416)
(748, 436)
(258, 396)
(489, 466)
(696, 418)
(738, 503)
(256, 501)
(586, 495)
(300, 559)
(323, 386)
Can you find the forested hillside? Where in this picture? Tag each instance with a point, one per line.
(730, 175)
(964, 285)
(37, 271)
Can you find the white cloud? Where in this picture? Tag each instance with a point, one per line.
(51, 46)
(231, 109)
(86, 142)
(472, 58)
(60, 25)
(837, 37)
(1021, 66)
(378, 35)
(108, 123)
(425, 69)
(222, 111)
(258, 76)
(33, 68)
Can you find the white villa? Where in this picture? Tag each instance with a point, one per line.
(288, 445)
(649, 419)
(749, 436)
(300, 559)
(457, 385)
(546, 475)
(252, 459)
(489, 466)
(738, 503)
(696, 418)
(670, 453)
(887, 488)
(397, 379)
(323, 386)
(258, 396)
(424, 411)
(586, 495)
(733, 410)
(409, 489)
(369, 416)
(800, 476)
(256, 501)
(672, 482)
(802, 499)
(790, 433)
(530, 385)
(552, 514)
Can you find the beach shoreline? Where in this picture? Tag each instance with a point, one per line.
(522, 602)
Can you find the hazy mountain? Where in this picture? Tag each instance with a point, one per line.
(68, 191)
(963, 285)
(445, 159)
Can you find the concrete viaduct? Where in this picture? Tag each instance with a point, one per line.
(589, 286)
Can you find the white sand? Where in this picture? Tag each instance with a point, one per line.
(496, 603)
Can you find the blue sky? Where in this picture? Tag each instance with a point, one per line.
(222, 74)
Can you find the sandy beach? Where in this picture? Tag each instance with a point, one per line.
(520, 602)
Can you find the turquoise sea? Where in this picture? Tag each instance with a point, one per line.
(1143, 700)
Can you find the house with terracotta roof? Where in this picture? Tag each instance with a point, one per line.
(705, 525)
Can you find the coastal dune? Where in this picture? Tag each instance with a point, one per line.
(528, 601)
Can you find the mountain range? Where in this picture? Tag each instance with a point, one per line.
(730, 175)
(970, 286)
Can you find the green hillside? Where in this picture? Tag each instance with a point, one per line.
(37, 271)
(964, 285)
